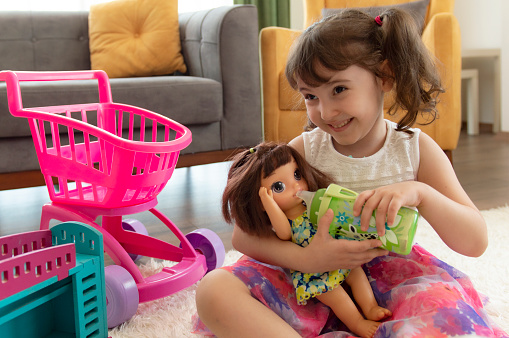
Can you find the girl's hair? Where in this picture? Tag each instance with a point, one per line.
(241, 200)
(353, 37)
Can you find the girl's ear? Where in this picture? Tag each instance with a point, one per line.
(387, 79)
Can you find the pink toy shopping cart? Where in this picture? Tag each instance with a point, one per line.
(109, 160)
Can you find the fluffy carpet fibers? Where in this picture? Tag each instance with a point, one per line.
(171, 316)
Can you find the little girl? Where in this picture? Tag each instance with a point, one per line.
(260, 197)
(343, 66)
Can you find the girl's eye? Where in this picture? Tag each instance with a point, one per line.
(338, 89)
(278, 187)
(309, 97)
(297, 175)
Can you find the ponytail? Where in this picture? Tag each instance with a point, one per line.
(417, 81)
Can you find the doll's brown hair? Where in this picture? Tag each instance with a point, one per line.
(241, 201)
(353, 37)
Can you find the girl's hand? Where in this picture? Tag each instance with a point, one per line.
(327, 253)
(387, 201)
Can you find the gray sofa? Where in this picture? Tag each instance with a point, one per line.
(218, 98)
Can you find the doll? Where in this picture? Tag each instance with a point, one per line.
(260, 197)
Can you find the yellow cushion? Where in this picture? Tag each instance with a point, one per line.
(135, 38)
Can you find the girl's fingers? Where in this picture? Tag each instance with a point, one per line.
(392, 212)
(361, 209)
(324, 224)
(360, 200)
(381, 214)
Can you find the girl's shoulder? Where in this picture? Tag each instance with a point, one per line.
(315, 142)
(408, 139)
(392, 126)
(317, 136)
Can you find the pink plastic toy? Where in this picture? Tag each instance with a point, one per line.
(112, 160)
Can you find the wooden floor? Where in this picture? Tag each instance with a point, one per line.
(482, 165)
(192, 198)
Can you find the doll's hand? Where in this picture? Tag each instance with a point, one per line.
(387, 201)
(326, 253)
(266, 197)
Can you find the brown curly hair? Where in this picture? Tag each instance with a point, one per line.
(241, 202)
(353, 37)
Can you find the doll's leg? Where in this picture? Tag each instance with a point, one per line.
(363, 295)
(227, 308)
(346, 310)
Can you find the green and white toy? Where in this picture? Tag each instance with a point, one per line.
(398, 238)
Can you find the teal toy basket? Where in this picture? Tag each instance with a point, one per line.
(52, 283)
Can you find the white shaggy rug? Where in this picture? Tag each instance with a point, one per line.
(171, 316)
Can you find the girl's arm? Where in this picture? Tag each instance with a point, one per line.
(439, 197)
(277, 217)
(446, 205)
(324, 253)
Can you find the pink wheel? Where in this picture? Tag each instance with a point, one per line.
(208, 243)
(122, 295)
(134, 226)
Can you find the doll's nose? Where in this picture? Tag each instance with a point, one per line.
(300, 186)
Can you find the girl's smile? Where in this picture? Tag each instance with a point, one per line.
(341, 126)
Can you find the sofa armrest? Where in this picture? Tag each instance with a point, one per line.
(284, 112)
(222, 44)
(442, 37)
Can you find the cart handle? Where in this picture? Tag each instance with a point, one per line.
(12, 80)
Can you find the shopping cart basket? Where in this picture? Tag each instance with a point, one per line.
(109, 160)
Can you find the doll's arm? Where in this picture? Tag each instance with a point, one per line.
(277, 217)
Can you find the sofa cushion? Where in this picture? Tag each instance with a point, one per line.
(135, 38)
(53, 41)
(185, 99)
(417, 9)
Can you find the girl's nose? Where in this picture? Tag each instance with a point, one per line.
(327, 110)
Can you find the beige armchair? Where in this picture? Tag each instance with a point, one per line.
(284, 109)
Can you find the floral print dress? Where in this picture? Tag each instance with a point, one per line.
(428, 298)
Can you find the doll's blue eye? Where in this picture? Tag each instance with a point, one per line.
(297, 175)
(278, 187)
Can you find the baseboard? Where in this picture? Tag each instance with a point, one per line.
(34, 178)
(483, 127)
(22, 179)
(188, 160)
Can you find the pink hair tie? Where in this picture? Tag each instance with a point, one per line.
(378, 20)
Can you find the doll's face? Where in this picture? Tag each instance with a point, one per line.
(284, 183)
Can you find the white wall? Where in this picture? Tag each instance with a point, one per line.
(481, 27)
(480, 23)
(504, 43)
(297, 14)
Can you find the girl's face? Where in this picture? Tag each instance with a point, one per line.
(349, 107)
(284, 183)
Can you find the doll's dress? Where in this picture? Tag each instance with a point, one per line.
(308, 285)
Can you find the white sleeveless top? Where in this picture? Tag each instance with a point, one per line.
(397, 161)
